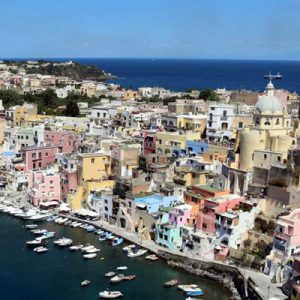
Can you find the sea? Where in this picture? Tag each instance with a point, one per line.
(57, 274)
(184, 74)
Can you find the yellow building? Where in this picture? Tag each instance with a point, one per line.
(186, 175)
(130, 94)
(3, 124)
(93, 166)
(192, 122)
(18, 114)
(174, 142)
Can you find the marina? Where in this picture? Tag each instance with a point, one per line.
(68, 269)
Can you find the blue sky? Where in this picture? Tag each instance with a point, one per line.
(232, 29)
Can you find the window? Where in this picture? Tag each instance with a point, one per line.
(278, 158)
(204, 225)
(241, 124)
(51, 182)
(265, 156)
(209, 124)
(224, 113)
(92, 160)
(277, 122)
(46, 154)
(26, 137)
(40, 164)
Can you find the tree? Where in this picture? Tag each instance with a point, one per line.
(209, 95)
(72, 109)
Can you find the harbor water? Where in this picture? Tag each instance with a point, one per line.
(57, 274)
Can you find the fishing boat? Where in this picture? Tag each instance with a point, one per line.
(40, 249)
(31, 226)
(117, 278)
(110, 294)
(152, 257)
(170, 283)
(76, 247)
(128, 248)
(116, 241)
(90, 255)
(110, 274)
(139, 252)
(129, 277)
(85, 283)
(122, 268)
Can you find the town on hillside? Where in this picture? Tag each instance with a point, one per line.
(211, 174)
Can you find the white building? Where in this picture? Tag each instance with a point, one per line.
(220, 121)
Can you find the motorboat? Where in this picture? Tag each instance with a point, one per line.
(63, 242)
(39, 231)
(91, 228)
(116, 241)
(197, 292)
(110, 274)
(111, 237)
(191, 290)
(76, 247)
(129, 277)
(122, 268)
(139, 252)
(40, 249)
(36, 242)
(87, 247)
(90, 255)
(117, 278)
(31, 226)
(152, 257)
(48, 235)
(128, 248)
(93, 250)
(187, 287)
(110, 294)
(39, 217)
(105, 236)
(170, 283)
(99, 231)
(85, 283)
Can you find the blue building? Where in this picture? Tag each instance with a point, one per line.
(153, 203)
(197, 147)
(167, 235)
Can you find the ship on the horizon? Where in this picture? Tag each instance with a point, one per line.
(271, 76)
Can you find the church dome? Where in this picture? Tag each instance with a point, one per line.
(268, 102)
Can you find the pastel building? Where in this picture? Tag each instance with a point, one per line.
(153, 203)
(43, 186)
(66, 141)
(38, 157)
(197, 147)
(180, 215)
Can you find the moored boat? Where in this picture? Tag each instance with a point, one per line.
(122, 268)
(36, 242)
(152, 257)
(40, 249)
(90, 255)
(110, 294)
(117, 278)
(76, 247)
(129, 277)
(128, 248)
(110, 274)
(170, 283)
(85, 283)
(137, 253)
(31, 226)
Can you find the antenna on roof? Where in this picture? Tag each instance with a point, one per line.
(272, 76)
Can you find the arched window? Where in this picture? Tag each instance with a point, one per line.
(277, 121)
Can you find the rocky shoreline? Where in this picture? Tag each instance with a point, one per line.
(226, 280)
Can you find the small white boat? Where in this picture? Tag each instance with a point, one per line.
(76, 247)
(152, 257)
(39, 231)
(90, 255)
(117, 278)
(110, 274)
(187, 288)
(87, 247)
(36, 242)
(40, 249)
(110, 294)
(93, 250)
(140, 252)
(85, 283)
(63, 242)
(128, 248)
(31, 226)
(122, 268)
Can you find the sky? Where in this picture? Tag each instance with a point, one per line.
(223, 29)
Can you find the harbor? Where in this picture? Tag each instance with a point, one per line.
(66, 269)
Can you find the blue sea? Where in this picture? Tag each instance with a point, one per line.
(184, 74)
(57, 274)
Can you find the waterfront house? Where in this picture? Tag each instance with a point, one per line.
(180, 215)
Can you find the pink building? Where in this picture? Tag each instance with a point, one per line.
(206, 219)
(43, 187)
(180, 215)
(68, 172)
(36, 158)
(287, 235)
(66, 141)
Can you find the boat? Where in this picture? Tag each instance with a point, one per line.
(63, 242)
(39, 231)
(110, 294)
(39, 217)
(90, 255)
(111, 237)
(40, 249)
(197, 292)
(122, 268)
(128, 248)
(99, 231)
(117, 278)
(116, 241)
(93, 250)
(170, 283)
(31, 226)
(129, 277)
(48, 235)
(139, 252)
(87, 247)
(85, 283)
(110, 274)
(91, 228)
(104, 236)
(76, 247)
(36, 242)
(152, 257)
